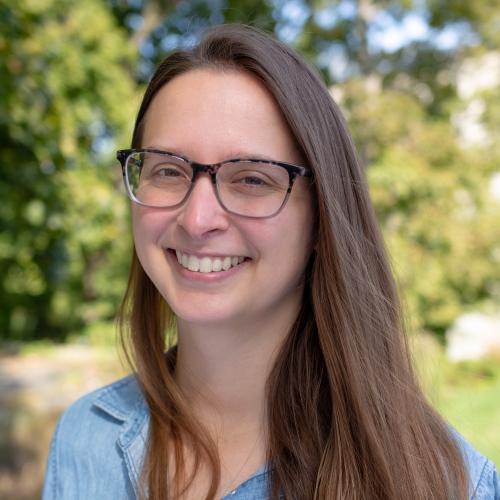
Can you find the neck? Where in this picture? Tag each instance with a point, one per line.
(223, 370)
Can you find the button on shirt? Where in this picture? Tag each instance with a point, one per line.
(98, 448)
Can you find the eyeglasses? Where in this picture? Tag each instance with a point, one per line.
(248, 187)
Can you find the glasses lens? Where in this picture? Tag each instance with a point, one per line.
(158, 179)
(252, 188)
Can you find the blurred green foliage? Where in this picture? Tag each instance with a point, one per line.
(71, 76)
(66, 95)
(440, 222)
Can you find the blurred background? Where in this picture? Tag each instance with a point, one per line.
(418, 81)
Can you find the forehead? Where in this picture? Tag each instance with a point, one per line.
(213, 112)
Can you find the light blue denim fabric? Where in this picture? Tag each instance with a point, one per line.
(98, 448)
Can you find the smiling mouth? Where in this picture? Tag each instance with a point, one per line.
(207, 264)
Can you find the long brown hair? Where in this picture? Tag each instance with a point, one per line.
(346, 418)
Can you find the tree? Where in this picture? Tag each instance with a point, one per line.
(67, 97)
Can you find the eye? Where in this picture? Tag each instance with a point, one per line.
(167, 172)
(252, 177)
(251, 180)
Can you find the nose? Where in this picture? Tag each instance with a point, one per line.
(202, 213)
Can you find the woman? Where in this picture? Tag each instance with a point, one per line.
(258, 252)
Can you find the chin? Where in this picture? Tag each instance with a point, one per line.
(207, 319)
(204, 312)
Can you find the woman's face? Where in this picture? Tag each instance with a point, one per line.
(209, 116)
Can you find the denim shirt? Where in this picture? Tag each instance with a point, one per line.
(98, 448)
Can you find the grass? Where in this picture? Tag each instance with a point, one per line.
(467, 394)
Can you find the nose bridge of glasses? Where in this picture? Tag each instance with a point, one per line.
(202, 168)
(196, 190)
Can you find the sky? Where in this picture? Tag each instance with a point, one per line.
(386, 33)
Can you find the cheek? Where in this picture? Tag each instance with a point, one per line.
(138, 230)
(288, 242)
(147, 227)
(301, 222)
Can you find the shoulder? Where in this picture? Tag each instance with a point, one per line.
(90, 446)
(117, 400)
(483, 476)
(102, 412)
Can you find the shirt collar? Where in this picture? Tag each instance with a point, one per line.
(124, 402)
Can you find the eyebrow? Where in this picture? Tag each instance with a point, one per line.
(235, 154)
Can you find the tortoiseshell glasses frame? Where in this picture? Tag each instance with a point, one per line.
(249, 187)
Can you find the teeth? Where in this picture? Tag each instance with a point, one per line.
(193, 263)
(207, 264)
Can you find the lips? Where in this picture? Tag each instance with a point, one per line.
(208, 264)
